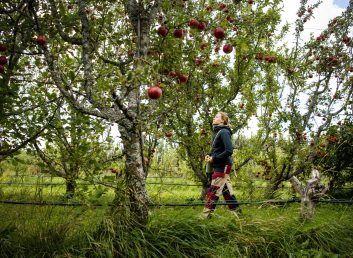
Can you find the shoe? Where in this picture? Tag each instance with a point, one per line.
(205, 216)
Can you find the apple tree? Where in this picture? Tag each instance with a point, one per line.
(26, 106)
(316, 94)
(209, 53)
(73, 146)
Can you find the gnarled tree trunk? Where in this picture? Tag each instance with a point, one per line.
(309, 194)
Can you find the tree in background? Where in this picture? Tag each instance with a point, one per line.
(75, 146)
(316, 93)
(26, 106)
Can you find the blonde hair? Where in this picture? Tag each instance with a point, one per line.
(225, 118)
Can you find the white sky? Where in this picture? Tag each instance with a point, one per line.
(326, 11)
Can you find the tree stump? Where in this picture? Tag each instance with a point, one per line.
(309, 194)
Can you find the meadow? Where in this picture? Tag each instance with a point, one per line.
(91, 230)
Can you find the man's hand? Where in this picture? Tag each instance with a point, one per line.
(208, 159)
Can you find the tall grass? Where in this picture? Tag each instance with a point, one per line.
(263, 231)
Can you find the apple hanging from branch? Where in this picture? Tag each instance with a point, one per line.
(183, 78)
(41, 40)
(154, 92)
(227, 48)
(163, 31)
(3, 47)
(219, 33)
(3, 60)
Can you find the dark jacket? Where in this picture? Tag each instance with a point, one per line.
(222, 148)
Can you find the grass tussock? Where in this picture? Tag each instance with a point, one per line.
(269, 231)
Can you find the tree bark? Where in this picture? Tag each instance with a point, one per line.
(309, 194)
(135, 176)
(70, 187)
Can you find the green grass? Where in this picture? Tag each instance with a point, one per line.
(264, 231)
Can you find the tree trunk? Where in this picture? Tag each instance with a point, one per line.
(205, 186)
(135, 176)
(309, 194)
(307, 207)
(70, 187)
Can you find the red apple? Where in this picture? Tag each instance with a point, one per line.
(219, 33)
(203, 45)
(3, 47)
(178, 33)
(183, 78)
(172, 74)
(311, 76)
(227, 48)
(193, 23)
(41, 40)
(2, 69)
(3, 60)
(154, 92)
(250, 1)
(202, 26)
(222, 6)
(163, 31)
(230, 19)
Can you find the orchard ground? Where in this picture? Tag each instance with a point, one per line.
(265, 230)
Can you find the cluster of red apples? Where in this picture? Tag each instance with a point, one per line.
(3, 59)
(219, 33)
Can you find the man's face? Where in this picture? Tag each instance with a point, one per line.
(217, 120)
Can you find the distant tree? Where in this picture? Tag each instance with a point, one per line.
(74, 147)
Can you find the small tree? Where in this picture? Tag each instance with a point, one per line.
(74, 147)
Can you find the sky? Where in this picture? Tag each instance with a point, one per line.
(326, 11)
(341, 3)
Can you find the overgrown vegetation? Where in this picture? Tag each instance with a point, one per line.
(267, 231)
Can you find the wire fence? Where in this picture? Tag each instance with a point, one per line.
(111, 184)
(200, 203)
